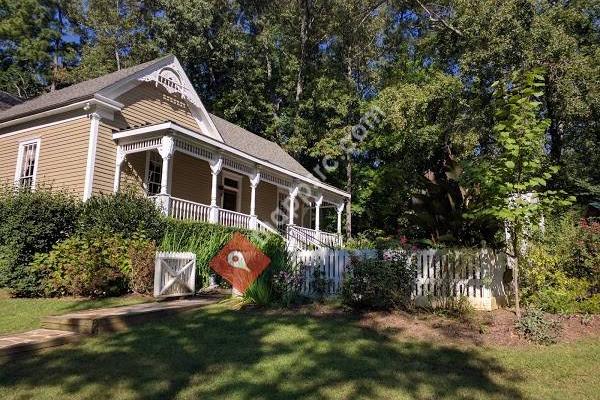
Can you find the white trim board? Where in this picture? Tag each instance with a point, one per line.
(49, 124)
(203, 138)
(91, 156)
(70, 107)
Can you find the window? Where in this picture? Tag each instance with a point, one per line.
(153, 173)
(231, 198)
(27, 162)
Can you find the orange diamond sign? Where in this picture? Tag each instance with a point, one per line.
(240, 262)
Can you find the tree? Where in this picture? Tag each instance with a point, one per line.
(33, 52)
(512, 182)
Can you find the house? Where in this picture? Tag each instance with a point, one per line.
(145, 128)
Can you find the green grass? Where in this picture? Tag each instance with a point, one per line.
(18, 315)
(219, 353)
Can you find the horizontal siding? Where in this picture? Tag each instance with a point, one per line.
(63, 154)
(266, 202)
(133, 172)
(104, 169)
(191, 179)
(148, 104)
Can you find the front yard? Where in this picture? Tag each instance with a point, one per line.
(220, 353)
(19, 315)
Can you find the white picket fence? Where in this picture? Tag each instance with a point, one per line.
(174, 274)
(438, 274)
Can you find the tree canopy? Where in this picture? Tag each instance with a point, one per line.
(304, 72)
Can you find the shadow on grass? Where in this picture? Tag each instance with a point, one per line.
(219, 353)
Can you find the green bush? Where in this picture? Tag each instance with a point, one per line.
(260, 292)
(31, 222)
(533, 325)
(125, 213)
(378, 284)
(206, 240)
(142, 254)
(94, 266)
(562, 272)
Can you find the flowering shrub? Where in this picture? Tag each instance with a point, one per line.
(288, 284)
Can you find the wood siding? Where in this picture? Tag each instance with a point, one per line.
(191, 179)
(63, 153)
(104, 170)
(147, 104)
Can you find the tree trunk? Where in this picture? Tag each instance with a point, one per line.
(305, 7)
(515, 282)
(349, 190)
(556, 133)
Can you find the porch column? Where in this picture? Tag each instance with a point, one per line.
(340, 210)
(293, 194)
(254, 181)
(118, 168)
(166, 151)
(215, 169)
(318, 202)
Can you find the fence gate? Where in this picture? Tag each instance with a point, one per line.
(174, 274)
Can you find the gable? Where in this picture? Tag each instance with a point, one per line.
(148, 104)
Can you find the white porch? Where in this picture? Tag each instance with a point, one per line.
(275, 200)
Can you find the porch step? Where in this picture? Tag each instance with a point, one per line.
(92, 322)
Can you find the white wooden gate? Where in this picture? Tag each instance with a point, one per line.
(174, 274)
(476, 275)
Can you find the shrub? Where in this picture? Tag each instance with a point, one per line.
(205, 240)
(378, 284)
(125, 213)
(287, 284)
(32, 222)
(533, 325)
(563, 266)
(259, 292)
(141, 255)
(95, 266)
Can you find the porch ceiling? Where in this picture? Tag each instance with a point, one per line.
(147, 137)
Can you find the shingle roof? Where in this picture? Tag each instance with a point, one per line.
(73, 93)
(7, 100)
(233, 135)
(250, 143)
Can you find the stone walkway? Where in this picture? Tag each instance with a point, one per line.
(69, 328)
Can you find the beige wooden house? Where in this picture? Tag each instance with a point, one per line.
(145, 127)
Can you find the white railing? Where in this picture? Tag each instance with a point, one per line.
(476, 275)
(234, 219)
(185, 209)
(308, 239)
(262, 227)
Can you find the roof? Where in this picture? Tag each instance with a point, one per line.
(254, 145)
(7, 100)
(233, 135)
(73, 93)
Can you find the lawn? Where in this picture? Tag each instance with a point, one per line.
(18, 315)
(220, 353)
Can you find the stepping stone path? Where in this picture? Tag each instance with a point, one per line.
(69, 328)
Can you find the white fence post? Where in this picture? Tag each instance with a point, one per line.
(174, 274)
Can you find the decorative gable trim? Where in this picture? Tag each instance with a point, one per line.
(169, 78)
(169, 75)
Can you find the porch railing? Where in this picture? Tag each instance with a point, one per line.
(297, 236)
(319, 238)
(185, 209)
(234, 219)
